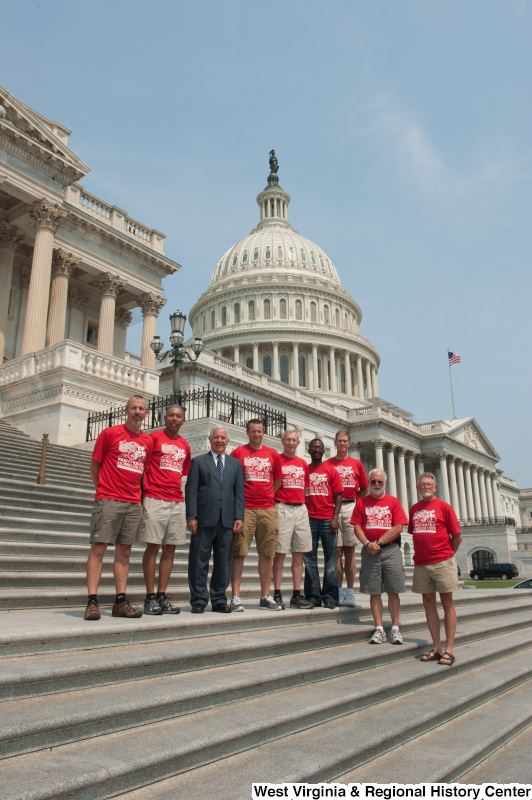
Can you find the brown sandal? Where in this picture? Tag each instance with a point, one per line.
(447, 659)
(432, 656)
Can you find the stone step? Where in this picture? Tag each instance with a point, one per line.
(329, 729)
(48, 490)
(510, 763)
(69, 523)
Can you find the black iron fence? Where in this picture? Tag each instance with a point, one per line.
(198, 404)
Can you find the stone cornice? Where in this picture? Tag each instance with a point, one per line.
(26, 149)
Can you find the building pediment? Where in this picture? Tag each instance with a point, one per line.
(31, 133)
(468, 432)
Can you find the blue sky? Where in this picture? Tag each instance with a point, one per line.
(403, 133)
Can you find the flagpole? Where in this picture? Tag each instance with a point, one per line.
(451, 382)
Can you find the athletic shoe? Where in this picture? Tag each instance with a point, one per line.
(93, 610)
(379, 637)
(349, 599)
(329, 604)
(341, 596)
(125, 609)
(166, 606)
(268, 604)
(396, 636)
(300, 602)
(151, 606)
(278, 598)
(236, 603)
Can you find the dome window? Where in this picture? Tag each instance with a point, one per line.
(244, 258)
(302, 371)
(313, 312)
(303, 257)
(326, 318)
(299, 309)
(267, 309)
(251, 310)
(313, 259)
(213, 320)
(337, 318)
(282, 309)
(322, 264)
(267, 365)
(249, 362)
(284, 367)
(235, 260)
(291, 254)
(256, 255)
(280, 253)
(224, 316)
(268, 253)
(236, 311)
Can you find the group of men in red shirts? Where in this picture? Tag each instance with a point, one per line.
(289, 506)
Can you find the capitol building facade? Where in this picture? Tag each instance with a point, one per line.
(279, 331)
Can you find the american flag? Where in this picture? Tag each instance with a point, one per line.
(454, 358)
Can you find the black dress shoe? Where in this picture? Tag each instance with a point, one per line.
(222, 608)
(329, 604)
(197, 608)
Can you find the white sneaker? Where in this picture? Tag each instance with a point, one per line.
(396, 636)
(379, 637)
(236, 603)
(341, 596)
(349, 599)
(268, 603)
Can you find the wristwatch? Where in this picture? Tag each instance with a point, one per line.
(379, 542)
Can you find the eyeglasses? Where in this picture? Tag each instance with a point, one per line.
(426, 485)
(377, 483)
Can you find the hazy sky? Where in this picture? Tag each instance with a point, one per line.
(403, 133)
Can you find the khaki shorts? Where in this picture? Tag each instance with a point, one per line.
(440, 577)
(383, 572)
(346, 531)
(115, 522)
(164, 522)
(260, 523)
(294, 529)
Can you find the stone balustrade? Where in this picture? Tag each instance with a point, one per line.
(114, 217)
(78, 358)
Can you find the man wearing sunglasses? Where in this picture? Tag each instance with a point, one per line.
(378, 519)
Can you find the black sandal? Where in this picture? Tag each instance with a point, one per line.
(447, 659)
(432, 656)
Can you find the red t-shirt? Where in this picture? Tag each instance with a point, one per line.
(324, 485)
(432, 524)
(295, 479)
(261, 468)
(376, 517)
(353, 476)
(169, 461)
(123, 456)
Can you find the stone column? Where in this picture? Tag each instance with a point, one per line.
(453, 486)
(62, 266)
(295, 364)
(275, 365)
(256, 356)
(25, 275)
(369, 392)
(123, 318)
(403, 496)
(315, 383)
(476, 493)
(412, 478)
(236, 354)
(496, 501)
(150, 304)
(392, 483)
(333, 387)
(109, 286)
(379, 461)
(469, 492)
(461, 490)
(47, 218)
(10, 239)
(489, 496)
(483, 500)
(347, 368)
(360, 379)
(374, 381)
(444, 479)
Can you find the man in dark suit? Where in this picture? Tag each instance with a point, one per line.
(214, 498)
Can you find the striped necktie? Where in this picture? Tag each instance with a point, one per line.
(220, 467)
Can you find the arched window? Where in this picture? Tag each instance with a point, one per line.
(268, 253)
(482, 557)
(337, 318)
(213, 319)
(236, 312)
(249, 362)
(326, 318)
(224, 316)
(299, 309)
(342, 378)
(251, 310)
(267, 365)
(302, 371)
(244, 258)
(284, 366)
(313, 312)
(282, 309)
(267, 309)
(256, 255)
(319, 375)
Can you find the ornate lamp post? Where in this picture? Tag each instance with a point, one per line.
(178, 352)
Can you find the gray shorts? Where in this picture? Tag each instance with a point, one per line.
(346, 531)
(163, 522)
(383, 572)
(294, 529)
(115, 522)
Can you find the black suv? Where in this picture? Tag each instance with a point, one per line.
(502, 571)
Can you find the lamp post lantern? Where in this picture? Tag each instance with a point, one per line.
(177, 350)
